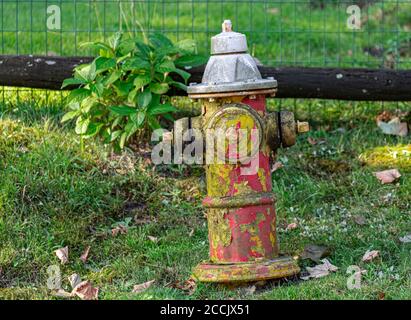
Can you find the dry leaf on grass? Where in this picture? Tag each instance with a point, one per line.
(60, 293)
(85, 291)
(138, 288)
(84, 256)
(120, 229)
(277, 165)
(250, 290)
(189, 286)
(388, 176)
(360, 220)
(315, 252)
(320, 270)
(74, 280)
(312, 141)
(392, 124)
(370, 255)
(406, 239)
(292, 226)
(152, 239)
(62, 254)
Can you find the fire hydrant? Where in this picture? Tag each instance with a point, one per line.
(240, 206)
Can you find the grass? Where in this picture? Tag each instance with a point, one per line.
(283, 32)
(53, 195)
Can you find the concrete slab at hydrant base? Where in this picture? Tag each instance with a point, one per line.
(240, 206)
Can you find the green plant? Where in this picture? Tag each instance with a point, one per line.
(122, 93)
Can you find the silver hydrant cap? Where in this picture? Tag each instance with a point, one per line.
(230, 68)
(228, 41)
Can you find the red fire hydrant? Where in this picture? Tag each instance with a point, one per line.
(240, 203)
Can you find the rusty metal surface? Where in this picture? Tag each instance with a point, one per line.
(234, 116)
(272, 131)
(229, 79)
(288, 129)
(303, 127)
(241, 214)
(270, 92)
(246, 200)
(246, 272)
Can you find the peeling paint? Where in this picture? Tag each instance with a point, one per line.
(218, 227)
(240, 208)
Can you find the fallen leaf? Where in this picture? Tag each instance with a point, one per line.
(62, 294)
(406, 239)
(384, 116)
(138, 288)
(370, 255)
(146, 219)
(312, 141)
(320, 270)
(315, 252)
(392, 125)
(189, 286)
(120, 229)
(250, 290)
(191, 233)
(277, 165)
(84, 255)
(85, 291)
(152, 239)
(292, 226)
(360, 220)
(357, 276)
(388, 176)
(62, 254)
(381, 295)
(74, 280)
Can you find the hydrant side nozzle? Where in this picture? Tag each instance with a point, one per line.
(303, 127)
(288, 128)
(272, 131)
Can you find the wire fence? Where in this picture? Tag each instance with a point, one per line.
(320, 33)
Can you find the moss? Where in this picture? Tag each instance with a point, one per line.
(22, 294)
(398, 156)
(13, 133)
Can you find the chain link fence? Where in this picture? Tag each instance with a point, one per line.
(309, 33)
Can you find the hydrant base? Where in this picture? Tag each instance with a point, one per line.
(246, 272)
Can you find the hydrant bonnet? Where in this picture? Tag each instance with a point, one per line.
(230, 68)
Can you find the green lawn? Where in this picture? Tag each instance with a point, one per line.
(283, 32)
(54, 195)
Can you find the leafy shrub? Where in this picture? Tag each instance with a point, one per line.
(123, 91)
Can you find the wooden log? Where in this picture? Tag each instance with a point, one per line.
(293, 82)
